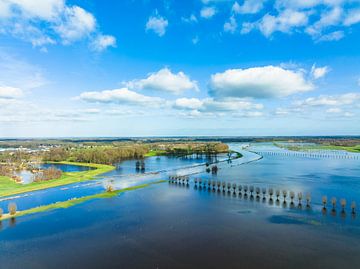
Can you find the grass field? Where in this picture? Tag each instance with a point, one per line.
(355, 149)
(153, 153)
(10, 187)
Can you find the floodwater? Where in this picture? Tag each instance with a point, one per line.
(177, 226)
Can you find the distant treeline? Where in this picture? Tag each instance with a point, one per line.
(96, 154)
(117, 152)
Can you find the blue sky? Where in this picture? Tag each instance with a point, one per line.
(166, 67)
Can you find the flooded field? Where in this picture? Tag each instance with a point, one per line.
(175, 225)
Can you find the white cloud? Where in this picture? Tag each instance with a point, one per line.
(231, 25)
(45, 22)
(330, 100)
(284, 22)
(228, 104)
(120, 96)
(157, 24)
(102, 42)
(353, 17)
(334, 110)
(10, 92)
(333, 36)
(208, 12)
(319, 72)
(327, 19)
(188, 103)
(166, 81)
(77, 23)
(248, 7)
(323, 20)
(191, 19)
(40, 9)
(259, 82)
(210, 107)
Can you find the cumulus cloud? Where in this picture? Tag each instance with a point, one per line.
(248, 7)
(45, 22)
(284, 22)
(10, 92)
(323, 20)
(77, 24)
(188, 103)
(157, 24)
(352, 17)
(120, 96)
(231, 25)
(319, 72)
(259, 82)
(102, 42)
(208, 12)
(330, 100)
(166, 81)
(327, 19)
(211, 107)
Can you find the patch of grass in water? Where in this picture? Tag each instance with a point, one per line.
(75, 201)
(283, 219)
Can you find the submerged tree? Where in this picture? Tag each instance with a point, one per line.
(12, 208)
(109, 187)
(240, 188)
(263, 190)
(229, 186)
(234, 187)
(333, 202)
(277, 194)
(308, 199)
(324, 201)
(245, 189)
(353, 207)
(251, 190)
(292, 196)
(284, 192)
(257, 190)
(1, 212)
(343, 204)
(300, 197)
(271, 193)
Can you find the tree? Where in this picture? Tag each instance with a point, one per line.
(12, 208)
(333, 202)
(324, 201)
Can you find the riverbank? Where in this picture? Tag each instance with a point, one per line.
(75, 201)
(9, 187)
(353, 149)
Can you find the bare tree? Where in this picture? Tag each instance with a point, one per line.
(12, 208)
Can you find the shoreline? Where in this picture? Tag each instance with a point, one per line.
(8, 187)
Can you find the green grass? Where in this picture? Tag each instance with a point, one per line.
(75, 201)
(153, 153)
(355, 149)
(9, 187)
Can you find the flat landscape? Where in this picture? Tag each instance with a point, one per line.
(265, 200)
(188, 134)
